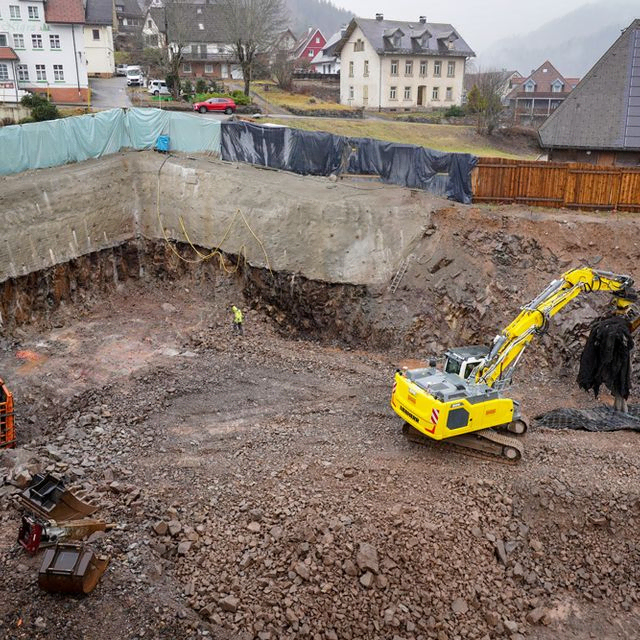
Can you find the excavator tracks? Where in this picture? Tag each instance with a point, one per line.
(487, 444)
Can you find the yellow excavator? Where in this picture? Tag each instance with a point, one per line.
(463, 403)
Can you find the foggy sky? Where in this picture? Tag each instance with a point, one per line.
(479, 22)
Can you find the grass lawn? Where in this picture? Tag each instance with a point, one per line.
(272, 93)
(444, 137)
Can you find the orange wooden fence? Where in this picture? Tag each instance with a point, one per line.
(557, 184)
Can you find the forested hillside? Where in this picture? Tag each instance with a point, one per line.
(316, 13)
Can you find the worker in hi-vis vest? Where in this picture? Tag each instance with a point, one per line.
(238, 319)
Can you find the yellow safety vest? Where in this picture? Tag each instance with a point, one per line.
(237, 316)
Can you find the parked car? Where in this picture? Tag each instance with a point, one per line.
(135, 77)
(215, 104)
(158, 88)
(121, 69)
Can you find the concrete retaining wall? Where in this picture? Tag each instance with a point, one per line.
(330, 231)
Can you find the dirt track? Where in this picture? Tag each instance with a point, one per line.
(297, 507)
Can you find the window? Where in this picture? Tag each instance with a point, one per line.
(200, 26)
(358, 45)
(557, 86)
(394, 67)
(392, 93)
(351, 92)
(151, 40)
(23, 72)
(33, 13)
(397, 39)
(423, 67)
(14, 12)
(18, 41)
(186, 67)
(96, 34)
(437, 68)
(4, 71)
(3, 40)
(198, 11)
(208, 68)
(54, 41)
(448, 93)
(58, 73)
(311, 53)
(351, 68)
(317, 40)
(451, 69)
(435, 93)
(408, 67)
(530, 86)
(149, 22)
(407, 93)
(366, 68)
(365, 92)
(36, 41)
(41, 73)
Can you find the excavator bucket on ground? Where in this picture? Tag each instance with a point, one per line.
(7, 429)
(71, 568)
(48, 497)
(35, 533)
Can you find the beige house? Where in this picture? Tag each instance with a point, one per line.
(387, 64)
(98, 38)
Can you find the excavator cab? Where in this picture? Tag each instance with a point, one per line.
(463, 360)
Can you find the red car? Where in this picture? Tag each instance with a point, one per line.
(216, 104)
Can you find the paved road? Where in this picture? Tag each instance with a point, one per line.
(109, 93)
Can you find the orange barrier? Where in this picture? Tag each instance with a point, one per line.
(7, 430)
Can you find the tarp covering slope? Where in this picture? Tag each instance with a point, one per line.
(318, 153)
(48, 144)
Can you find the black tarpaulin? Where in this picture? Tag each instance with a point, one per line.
(606, 358)
(318, 153)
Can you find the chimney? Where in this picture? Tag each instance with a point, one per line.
(379, 17)
(423, 19)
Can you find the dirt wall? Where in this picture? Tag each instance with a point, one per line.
(326, 230)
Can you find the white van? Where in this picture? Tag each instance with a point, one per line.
(158, 88)
(134, 76)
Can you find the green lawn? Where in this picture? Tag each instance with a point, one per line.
(444, 137)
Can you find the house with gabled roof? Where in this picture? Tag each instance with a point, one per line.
(98, 37)
(42, 50)
(599, 122)
(128, 24)
(394, 65)
(327, 62)
(198, 29)
(540, 93)
(309, 45)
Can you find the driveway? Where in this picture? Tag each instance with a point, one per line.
(109, 93)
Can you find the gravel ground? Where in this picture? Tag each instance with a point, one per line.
(262, 488)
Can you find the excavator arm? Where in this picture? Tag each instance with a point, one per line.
(509, 345)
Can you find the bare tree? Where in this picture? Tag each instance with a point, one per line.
(485, 99)
(177, 29)
(252, 27)
(282, 69)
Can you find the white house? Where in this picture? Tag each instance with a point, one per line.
(327, 61)
(388, 64)
(98, 38)
(42, 49)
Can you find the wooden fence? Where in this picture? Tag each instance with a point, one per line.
(557, 184)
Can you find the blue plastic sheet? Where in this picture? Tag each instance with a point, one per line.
(48, 144)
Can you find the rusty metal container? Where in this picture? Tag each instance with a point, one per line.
(71, 568)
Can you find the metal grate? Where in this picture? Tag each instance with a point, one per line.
(597, 419)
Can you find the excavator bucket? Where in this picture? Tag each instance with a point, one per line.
(35, 533)
(7, 429)
(48, 497)
(71, 568)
